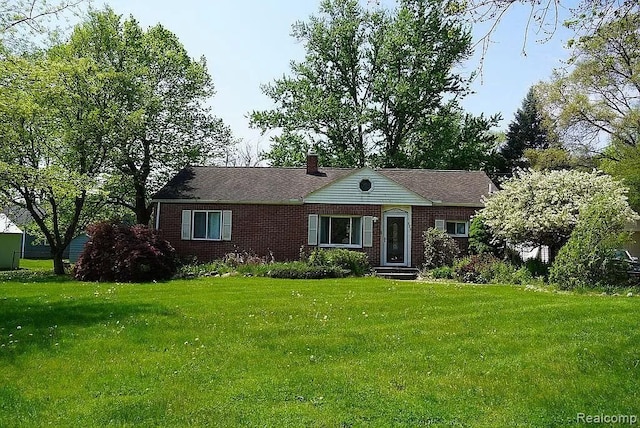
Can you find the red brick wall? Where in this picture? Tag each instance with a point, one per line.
(282, 229)
(425, 217)
(355, 210)
(259, 229)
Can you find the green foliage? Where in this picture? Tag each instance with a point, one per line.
(160, 100)
(501, 272)
(597, 96)
(199, 270)
(452, 139)
(623, 162)
(374, 87)
(290, 150)
(488, 269)
(239, 258)
(301, 270)
(554, 158)
(542, 207)
(439, 248)
(320, 263)
(528, 130)
(54, 116)
(442, 272)
(474, 268)
(588, 258)
(356, 262)
(481, 240)
(537, 268)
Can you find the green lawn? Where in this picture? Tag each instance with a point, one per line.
(349, 352)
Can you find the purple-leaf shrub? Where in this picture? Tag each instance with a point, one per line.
(116, 252)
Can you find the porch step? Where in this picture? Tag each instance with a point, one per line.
(402, 273)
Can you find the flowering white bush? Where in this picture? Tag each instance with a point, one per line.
(542, 207)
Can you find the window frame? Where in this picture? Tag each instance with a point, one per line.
(340, 245)
(456, 222)
(206, 232)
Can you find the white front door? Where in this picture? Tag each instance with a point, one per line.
(395, 242)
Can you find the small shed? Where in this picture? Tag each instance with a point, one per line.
(10, 243)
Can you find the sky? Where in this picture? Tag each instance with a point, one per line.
(247, 43)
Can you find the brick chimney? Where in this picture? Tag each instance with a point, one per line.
(312, 163)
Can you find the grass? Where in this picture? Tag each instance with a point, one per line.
(348, 352)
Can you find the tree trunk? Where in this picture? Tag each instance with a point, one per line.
(143, 212)
(143, 215)
(58, 264)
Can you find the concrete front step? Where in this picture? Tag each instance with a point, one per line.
(390, 272)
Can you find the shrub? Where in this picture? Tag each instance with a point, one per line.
(588, 259)
(474, 268)
(302, 270)
(356, 262)
(486, 268)
(242, 258)
(443, 272)
(523, 276)
(481, 240)
(197, 270)
(537, 268)
(501, 272)
(317, 257)
(439, 248)
(117, 252)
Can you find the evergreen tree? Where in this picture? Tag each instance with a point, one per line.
(528, 130)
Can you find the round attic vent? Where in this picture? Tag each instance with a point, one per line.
(365, 185)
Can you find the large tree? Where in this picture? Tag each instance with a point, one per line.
(542, 207)
(55, 115)
(597, 100)
(372, 84)
(451, 139)
(31, 13)
(581, 16)
(161, 95)
(528, 130)
(623, 162)
(25, 23)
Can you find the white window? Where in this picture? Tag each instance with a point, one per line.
(341, 231)
(207, 225)
(457, 228)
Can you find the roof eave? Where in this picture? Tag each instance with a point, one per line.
(226, 202)
(458, 204)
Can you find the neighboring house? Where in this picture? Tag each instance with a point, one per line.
(36, 248)
(76, 247)
(207, 212)
(10, 243)
(634, 246)
(33, 247)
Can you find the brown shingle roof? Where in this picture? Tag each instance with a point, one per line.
(291, 185)
(244, 185)
(446, 187)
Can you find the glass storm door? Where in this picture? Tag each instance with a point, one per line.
(395, 253)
